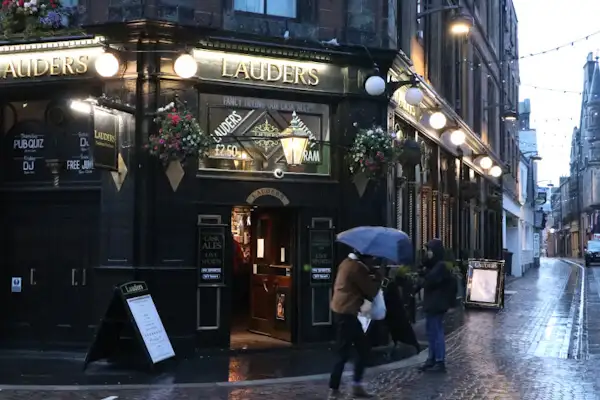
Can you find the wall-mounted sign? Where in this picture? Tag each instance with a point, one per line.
(58, 63)
(274, 72)
(320, 244)
(246, 134)
(268, 192)
(211, 254)
(106, 144)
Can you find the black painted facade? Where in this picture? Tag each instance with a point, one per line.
(72, 240)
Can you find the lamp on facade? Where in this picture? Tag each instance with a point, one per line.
(375, 85)
(483, 160)
(458, 137)
(107, 65)
(438, 120)
(294, 141)
(510, 115)
(461, 22)
(185, 66)
(495, 171)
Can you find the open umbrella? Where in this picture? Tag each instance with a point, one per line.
(379, 241)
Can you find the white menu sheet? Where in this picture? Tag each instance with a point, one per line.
(151, 328)
(484, 284)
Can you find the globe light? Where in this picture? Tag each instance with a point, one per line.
(485, 162)
(413, 96)
(552, 230)
(461, 24)
(457, 137)
(185, 66)
(107, 65)
(495, 171)
(437, 120)
(375, 85)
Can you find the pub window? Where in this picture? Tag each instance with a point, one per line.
(278, 8)
(246, 133)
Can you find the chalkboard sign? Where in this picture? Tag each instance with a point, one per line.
(211, 254)
(321, 256)
(485, 284)
(131, 312)
(106, 149)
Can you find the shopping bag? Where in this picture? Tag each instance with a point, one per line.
(364, 322)
(378, 309)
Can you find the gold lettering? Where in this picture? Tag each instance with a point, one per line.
(288, 74)
(55, 66)
(258, 66)
(278, 71)
(300, 76)
(224, 72)
(242, 69)
(312, 73)
(105, 137)
(44, 66)
(37, 71)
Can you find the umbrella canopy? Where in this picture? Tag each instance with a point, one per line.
(379, 241)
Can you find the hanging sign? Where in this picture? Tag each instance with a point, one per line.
(485, 284)
(106, 149)
(131, 309)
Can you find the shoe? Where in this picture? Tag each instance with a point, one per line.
(334, 394)
(427, 365)
(359, 392)
(438, 367)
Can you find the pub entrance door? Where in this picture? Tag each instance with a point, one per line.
(51, 239)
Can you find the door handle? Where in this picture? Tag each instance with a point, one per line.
(83, 276)
(73, 280)
(32, 281)
(265, 286)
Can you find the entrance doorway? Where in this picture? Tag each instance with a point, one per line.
(264, 256)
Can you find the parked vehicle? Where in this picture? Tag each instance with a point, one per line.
(592, 252)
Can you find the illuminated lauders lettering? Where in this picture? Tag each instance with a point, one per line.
(263, 71)
(50, 66)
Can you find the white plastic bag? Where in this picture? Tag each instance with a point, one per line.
(378, 309)
(364, 322)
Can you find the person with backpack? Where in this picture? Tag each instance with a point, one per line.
(439, 286)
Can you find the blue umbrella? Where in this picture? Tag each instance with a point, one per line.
(379, 241)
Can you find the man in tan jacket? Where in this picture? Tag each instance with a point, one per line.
(355, 282)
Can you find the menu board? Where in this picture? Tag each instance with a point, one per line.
(26, 148)
(485, 283)
(79, 161)
(211, 254)
(151, 328)
(321, 256)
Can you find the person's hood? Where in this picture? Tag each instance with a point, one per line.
(437, 248)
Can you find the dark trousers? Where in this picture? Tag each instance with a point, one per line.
(434, 325)
(349, 332)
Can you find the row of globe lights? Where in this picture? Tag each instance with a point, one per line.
(375, 85)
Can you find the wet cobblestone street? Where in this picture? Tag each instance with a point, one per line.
(545, 344)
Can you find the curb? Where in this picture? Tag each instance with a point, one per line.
(406, 363)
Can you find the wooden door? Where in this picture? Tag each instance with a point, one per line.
(272, 305)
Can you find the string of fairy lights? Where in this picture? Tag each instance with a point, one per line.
(511, 60)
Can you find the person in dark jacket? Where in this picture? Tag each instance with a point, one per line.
(436, 282)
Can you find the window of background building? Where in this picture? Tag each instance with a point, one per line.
(492, 22)
(421, 21)
(278, 8)
(477, 98)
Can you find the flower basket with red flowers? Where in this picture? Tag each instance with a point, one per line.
(33, 17)
(179, 136)
(371, 153)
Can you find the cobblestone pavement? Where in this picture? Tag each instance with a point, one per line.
(543, 345)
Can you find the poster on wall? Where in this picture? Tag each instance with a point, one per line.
(321, 242)
(280, 307)
(25, 150)
(211, 254)
(106, 143)
(485, 284)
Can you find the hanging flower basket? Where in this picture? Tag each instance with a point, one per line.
(179, 136)
(371, 153)
(33, 18)
(408, 152)
(469, 190)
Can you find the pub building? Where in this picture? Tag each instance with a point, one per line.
(237, 248)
